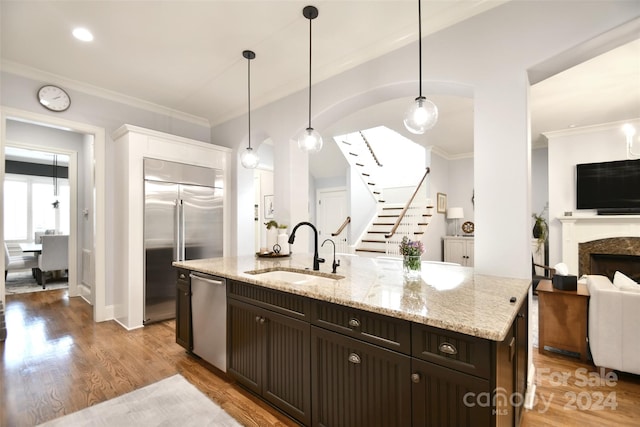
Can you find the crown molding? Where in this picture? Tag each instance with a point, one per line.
(589, 129)
(37, 74)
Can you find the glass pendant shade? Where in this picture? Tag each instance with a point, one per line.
(249, 159)
(310, 141)
(421, 116)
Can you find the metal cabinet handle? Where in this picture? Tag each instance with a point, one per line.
(415, 378)
(262, 320)
(257, 319)
(354, 358)
(182, 276)
(448, 348)
(354, 323)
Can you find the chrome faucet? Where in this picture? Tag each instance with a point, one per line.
(335, 264)
(316, 260)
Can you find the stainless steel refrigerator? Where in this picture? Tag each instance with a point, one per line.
(182, 221)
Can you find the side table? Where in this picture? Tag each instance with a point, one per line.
(562, 318)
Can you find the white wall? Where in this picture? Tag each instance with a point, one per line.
(566, 149)
(438, 183)
(460, 191)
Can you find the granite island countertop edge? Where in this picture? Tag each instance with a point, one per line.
(377, 289)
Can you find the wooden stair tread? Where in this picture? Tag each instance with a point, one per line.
(378, 251)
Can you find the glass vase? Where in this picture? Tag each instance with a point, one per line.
(412, 267)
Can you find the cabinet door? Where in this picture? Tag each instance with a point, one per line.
(183, 311)
(445, 397)
(358, 384)
(469, 253)
(454, 251)
(244, 349)
(287, 380)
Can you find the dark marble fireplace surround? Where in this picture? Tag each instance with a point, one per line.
(606, 256)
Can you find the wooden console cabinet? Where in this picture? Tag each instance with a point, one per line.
(562, 318)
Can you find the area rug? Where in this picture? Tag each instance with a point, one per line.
(170, 402)
(22, 282)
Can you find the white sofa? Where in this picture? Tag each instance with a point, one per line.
(614, 325)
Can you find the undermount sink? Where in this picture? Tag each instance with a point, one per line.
(294, 277)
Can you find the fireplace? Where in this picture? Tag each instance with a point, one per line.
(606, 256)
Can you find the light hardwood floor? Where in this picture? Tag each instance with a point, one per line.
(56, 360)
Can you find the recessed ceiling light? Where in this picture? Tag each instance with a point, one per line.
(83, 34)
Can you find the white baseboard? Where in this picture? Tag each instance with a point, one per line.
(530, 395)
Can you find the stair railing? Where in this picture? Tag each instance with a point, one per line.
(370, 149)
(341, 242)
(409, 219)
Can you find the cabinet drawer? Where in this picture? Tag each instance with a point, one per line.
(451, 349)
(281, 302)
(377, 329)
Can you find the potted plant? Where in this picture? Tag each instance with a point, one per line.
(272, 234)
(540, 227)
(412, 253)
(271, 224)
(283, 239)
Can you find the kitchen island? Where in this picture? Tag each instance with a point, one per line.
(364, 347)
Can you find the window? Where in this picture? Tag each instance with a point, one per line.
(28, 206)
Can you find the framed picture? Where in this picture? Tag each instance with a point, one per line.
(268, 207)
(442, 203)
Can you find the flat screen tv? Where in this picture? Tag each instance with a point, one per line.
(609, 187)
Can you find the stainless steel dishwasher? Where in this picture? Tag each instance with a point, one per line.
(209, 318)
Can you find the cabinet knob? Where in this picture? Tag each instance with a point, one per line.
(354, 358)
(182, 276)
(186, 294)
(354, 323)
(448, 348)
(257, 319)
(262, 320)
(415, 378)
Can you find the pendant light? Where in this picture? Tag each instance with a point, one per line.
(249, 158)
(310, 140)
(422, 115)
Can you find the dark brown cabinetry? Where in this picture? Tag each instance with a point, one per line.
(358, 384)
(184, 336)
(268, 352)
(445, 397)
(327, 365)
(463, 380)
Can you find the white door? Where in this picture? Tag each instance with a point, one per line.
(331, 214)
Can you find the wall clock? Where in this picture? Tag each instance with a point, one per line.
(54, 98)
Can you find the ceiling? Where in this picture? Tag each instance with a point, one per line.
(186, 56)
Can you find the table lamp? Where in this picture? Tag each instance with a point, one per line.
(455, 213)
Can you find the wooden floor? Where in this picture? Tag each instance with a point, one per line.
(56, 361)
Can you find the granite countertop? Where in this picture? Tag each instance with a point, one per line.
(447, 296)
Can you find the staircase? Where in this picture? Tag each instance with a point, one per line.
(361, 157)
(375, 241)
(392, 222)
